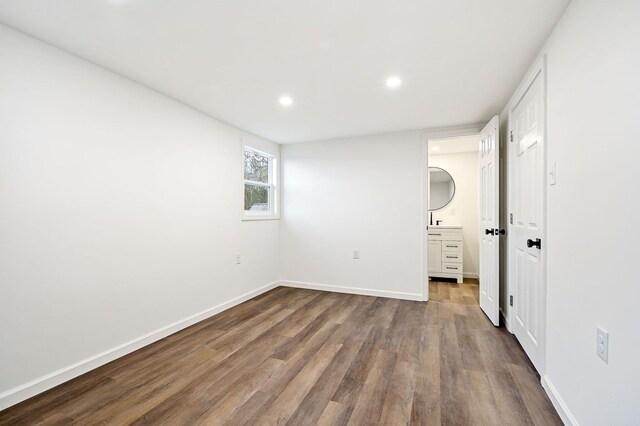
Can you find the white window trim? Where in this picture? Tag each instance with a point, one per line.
(274, 194)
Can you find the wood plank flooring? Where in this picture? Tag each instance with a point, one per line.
(307, 357)
(466, 293)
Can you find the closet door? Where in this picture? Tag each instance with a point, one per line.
(527, 247)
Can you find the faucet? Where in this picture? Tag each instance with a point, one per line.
(438, 222)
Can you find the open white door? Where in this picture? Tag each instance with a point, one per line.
(489, 162)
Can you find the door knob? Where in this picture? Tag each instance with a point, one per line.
(534, 243)
(502, 232)
(489, 231)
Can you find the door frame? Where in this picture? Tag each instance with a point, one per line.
(435, 133)
(538, 69)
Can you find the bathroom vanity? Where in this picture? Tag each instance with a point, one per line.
(445, 252)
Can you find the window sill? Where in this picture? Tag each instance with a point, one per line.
(252, 218)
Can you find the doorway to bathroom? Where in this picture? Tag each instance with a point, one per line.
(452, 234)
(461, 216)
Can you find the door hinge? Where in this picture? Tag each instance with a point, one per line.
(511, 218)
(511, 300)
(511, 135)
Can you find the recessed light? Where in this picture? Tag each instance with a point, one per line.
(435, 148)
(393, 82)
(285, 100)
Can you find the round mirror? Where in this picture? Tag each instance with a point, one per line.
(441, 188)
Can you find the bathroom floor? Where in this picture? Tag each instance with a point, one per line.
(466, 293)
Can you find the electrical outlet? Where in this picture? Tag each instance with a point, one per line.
(602, 348)
(238, 259)
(356, 254)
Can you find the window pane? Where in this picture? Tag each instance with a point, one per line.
(256, 167)
(256, 198)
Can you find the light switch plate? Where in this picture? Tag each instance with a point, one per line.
(553, 174)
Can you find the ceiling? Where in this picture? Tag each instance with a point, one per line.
(455, 145)
(459, 60)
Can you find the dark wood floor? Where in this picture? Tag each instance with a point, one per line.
(305, 357)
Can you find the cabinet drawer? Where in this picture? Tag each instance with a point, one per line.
(452, 268)
(452, 257)
(452, 246)
(445, 234)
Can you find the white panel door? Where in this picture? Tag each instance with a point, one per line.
(489, 220)
(528, 220)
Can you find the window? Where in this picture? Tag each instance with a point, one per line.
(260, 185)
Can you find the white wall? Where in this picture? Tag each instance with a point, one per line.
(119, 212)
(463, 209)
(358, 193)
(593, 111)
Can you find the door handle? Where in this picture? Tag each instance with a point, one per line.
(537, 243)
(490, 231)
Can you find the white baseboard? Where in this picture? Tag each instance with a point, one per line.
(352, 290)
(473, 275)
(558, 402)
(41, 384)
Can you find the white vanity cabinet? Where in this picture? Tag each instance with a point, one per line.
(445, 252)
